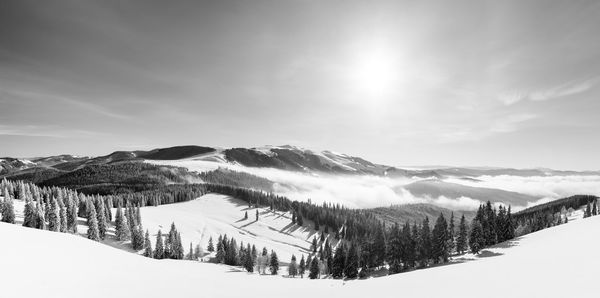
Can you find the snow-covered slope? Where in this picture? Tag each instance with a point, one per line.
(556, 262)
(214, 215)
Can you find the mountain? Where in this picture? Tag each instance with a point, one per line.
(435, 188)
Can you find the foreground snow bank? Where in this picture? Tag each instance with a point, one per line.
(556, 262)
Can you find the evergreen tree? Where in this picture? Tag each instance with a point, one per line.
(451, 236)
(476, 240)
(395, 250)
(588, 211)
(293, 267)
(379, 247)
(339, 262)
(62, 212)
(302, 267)
(159, 250)
(461, 241)
(147, 246)
(8, 209)
(314, 269)
(594, 209)
(256, 214)
(190, 255)
(274, 263)
(351, 268)
(314, 244)
(425, 243)
(198, 252)
(245, 215)
(71, 216)
(53, 216)
(29, 214)
(102, 225)
(92, 223)
(210, 247)
(440, 240)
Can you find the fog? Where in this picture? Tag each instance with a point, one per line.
(368, 191)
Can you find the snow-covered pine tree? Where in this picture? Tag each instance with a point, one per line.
(62, 212)
(159, 250)
(8, 209)
(53, 216)
(147, 246)
(102, 225)
(92, 222)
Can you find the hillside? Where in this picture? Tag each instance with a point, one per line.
(214, 214)
(72, 266)
(416, 213)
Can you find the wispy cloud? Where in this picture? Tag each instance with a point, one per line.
(562, 90)
(49, 131)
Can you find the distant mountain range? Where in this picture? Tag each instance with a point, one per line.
(284, 157)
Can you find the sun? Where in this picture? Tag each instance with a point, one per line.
(374, 71)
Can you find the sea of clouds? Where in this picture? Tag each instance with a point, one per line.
(368, 191)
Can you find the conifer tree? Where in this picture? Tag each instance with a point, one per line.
(594, 209)
(29, 214)
(245, 215)
(293, 267)
(451, 234)
(190, 255)
(72, 216)
(159, 250)
(314, 244)
(461, 241)
(314, 269)
(53, 216)
(339, 262)
(62, 212)
(351, 268)
(256, 214)
(147, 246)
(476, 240)
(210, 247)
(40, 219)
(440, 240)
(588, 211)
(425, 243)
(102, 225)
(395, 250)
(92, 223)
(197, 252)
(302, 267)
(8, 209)
(274, 263)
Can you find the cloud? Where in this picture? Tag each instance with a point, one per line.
(549, 187)
(566, 89)
(49, 131)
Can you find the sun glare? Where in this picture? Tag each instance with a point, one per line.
(374, 72)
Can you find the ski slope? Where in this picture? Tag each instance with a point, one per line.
(212, 215)
(556, 262)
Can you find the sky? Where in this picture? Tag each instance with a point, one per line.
(464, 83)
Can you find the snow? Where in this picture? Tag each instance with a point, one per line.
(215, 214)
(554, 262)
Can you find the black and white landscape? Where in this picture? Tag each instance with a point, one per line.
(299, 148)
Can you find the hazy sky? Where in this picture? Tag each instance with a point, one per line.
(499, 83)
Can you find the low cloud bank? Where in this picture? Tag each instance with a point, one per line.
(366, 191)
